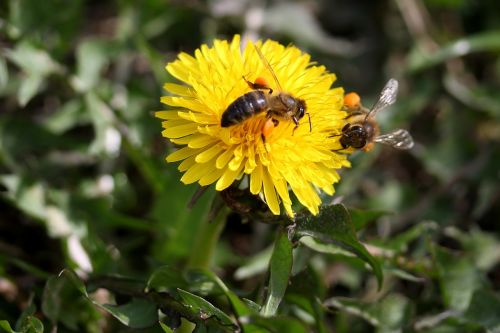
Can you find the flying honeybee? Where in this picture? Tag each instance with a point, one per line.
(280, 106)
(362, 131)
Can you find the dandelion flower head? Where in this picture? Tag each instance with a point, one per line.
(301, 160)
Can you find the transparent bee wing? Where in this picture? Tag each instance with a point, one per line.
(400, 139)
(268, 66)
(387, 97)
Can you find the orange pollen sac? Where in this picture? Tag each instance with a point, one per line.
(268, 127)
(352, 100)
(261, 81)
(368, 147)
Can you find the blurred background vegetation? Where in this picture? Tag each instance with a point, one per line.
(84, 184)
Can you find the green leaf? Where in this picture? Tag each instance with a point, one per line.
(320, 247)
(389, 314)
(458, 278)
(166, 278)
(27, 267)
(170, 210)
(360, 218)
(64, 299)
(29, 88)
(23, 320)
(93, 55)
(203, 282)
(255, 265)
(165, 328)
(400, 242)
(252, 306)
(280, 269)
(28, 197)
(483, 247)
(102, 118)
(139, 313)
(305, 291)
(27, 322)
(31, 324)
(5, 326)
(201, 328)
(402, 274)
(276, 324)
(204, 309)
(240, 306)
(484, 310)
(333, 225)
(482, 42)
(66, 117)
(32, 60)
(74, 280)
(4, 74)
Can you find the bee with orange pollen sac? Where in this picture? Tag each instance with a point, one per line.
(282, 105)
(362, 131)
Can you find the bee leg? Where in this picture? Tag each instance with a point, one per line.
(268, 127)
(296, 121)
(352, 114)
(269, 115)
(263, 137)
(258, 85)
(344, 147)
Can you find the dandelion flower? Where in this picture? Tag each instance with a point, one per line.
(301, 160)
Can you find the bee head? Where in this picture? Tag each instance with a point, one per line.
(353, 136)
(301, 108)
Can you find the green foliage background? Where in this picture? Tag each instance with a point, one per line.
(84, 186)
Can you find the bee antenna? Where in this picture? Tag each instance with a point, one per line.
(310, 124)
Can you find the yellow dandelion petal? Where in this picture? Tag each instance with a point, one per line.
(270, 193)
(227, 179)
(303, 160)
(235, 163)
(180, 131)
(187, 139)
(182, 154)
(187, 103)
(178, 89)
(208, 154)
(200, 141)
(256, 180)
(329, 189)
(174, 123)
(282, 190)
(187, 164)
(167, 115)
(250, 163)
(179, 71)
(308, 197)
(197, 117)
(224, 158)
(211, 177)
(196, 172)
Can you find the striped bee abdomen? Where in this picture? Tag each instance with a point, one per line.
(244, 107)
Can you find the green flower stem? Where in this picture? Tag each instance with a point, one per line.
(203, 250)
(206, 241)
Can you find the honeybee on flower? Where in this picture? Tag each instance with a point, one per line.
(277, 152)
(281, 105)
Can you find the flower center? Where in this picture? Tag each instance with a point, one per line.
(250, 131)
